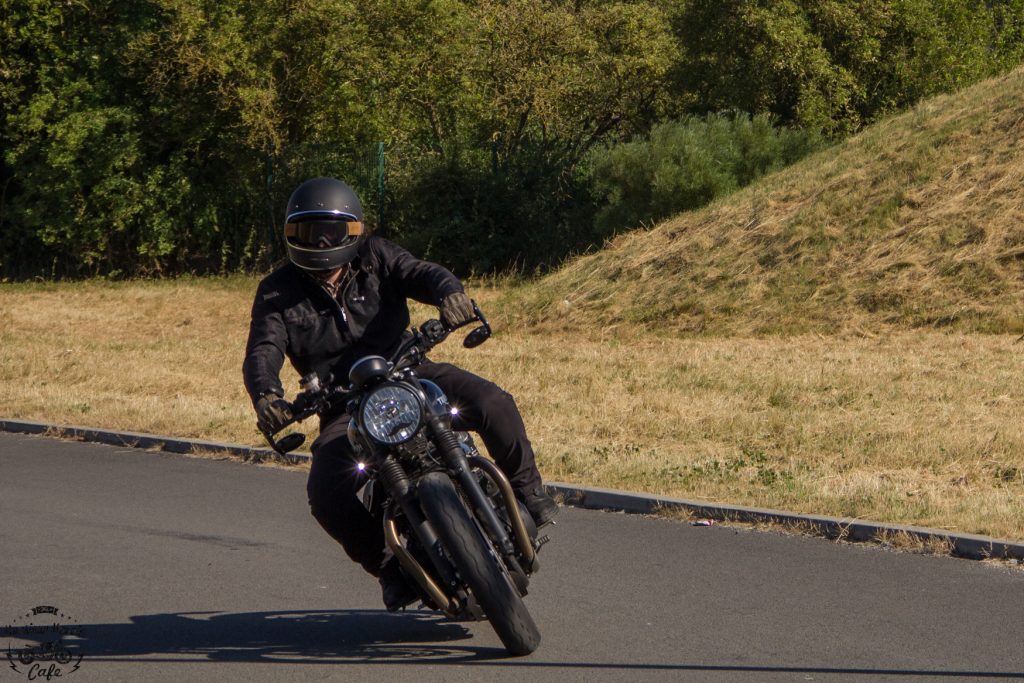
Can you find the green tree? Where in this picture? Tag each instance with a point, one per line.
(537, 84)
(835, 65)
(762, 56)
(163, 136)
(73, 168)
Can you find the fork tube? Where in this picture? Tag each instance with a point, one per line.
(522, 536)
(398, 484)
(456, 460)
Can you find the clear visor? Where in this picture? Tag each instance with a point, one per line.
(323, 234)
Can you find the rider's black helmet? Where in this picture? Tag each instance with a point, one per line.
(323, 226)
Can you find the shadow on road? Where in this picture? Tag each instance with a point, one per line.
(288, 637)
(363, 637)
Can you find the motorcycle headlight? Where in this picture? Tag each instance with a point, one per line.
(391, 414)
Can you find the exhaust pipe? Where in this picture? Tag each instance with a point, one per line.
(450, 606)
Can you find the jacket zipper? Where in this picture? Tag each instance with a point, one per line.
(344, 295)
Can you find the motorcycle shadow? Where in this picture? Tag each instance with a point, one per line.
(329, 636)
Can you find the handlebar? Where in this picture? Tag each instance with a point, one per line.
(316, 397)
(433, 332)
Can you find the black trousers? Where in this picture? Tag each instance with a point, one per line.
(334, 480)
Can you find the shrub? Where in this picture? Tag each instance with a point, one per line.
(687, 163)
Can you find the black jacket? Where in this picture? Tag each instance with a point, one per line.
(294, 317)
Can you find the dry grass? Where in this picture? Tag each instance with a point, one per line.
(144, 357)
(917, 221)
(907, 428)
(921, 428)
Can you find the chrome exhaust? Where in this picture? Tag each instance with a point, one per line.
(450, 606)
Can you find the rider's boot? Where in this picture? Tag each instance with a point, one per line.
(541, 506)
(396, 589)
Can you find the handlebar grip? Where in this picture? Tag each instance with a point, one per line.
(299, 404)
(435, 331)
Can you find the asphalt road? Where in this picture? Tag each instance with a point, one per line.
(175, 568)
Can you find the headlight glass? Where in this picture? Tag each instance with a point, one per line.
(392, 414)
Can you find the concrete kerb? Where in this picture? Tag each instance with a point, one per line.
(145, 441)
(969, 546)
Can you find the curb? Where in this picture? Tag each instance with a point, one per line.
(970, 546)
(146, 441)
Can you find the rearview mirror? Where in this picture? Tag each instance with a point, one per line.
(477, 337)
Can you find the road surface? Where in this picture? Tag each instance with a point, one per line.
(171, 568)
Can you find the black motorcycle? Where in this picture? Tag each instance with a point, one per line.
(450, 515)
(44, 652)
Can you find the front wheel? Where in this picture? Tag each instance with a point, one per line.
(477, 564)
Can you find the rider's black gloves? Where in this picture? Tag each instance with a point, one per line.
(272, 412)
(457, 309)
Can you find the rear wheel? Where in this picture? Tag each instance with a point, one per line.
(477, 564)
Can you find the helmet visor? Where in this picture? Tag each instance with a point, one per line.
(323, 233)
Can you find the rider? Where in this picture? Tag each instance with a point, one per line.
(344, 296)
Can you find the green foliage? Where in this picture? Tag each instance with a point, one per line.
(532, 87)
(688, 163)
(476, 215)
(834, 65)
(763, 56)
(163, 136)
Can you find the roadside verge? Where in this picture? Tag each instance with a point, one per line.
(969, 546)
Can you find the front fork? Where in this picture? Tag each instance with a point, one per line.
(457, 462)
(523, 540)
(394, 477)
(398, 484)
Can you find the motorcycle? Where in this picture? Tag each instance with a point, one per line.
(44, 652)
(450, 514)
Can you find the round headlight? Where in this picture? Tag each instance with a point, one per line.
(391, 414)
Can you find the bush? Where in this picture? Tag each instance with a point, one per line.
(686, 164)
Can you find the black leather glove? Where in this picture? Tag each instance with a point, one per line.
(272, 412)
(457, 309)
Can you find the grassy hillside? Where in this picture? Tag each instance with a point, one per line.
(918, 221)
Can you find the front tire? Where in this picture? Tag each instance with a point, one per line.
(477, 564)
